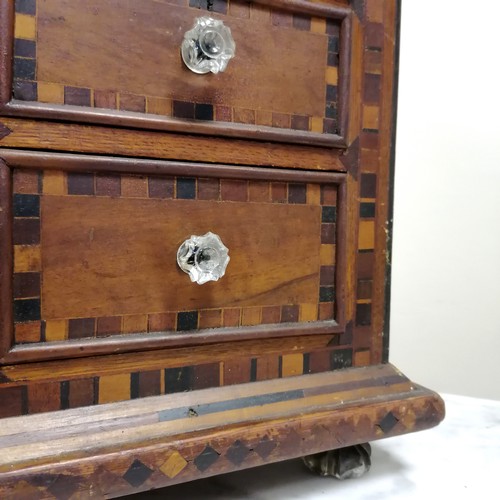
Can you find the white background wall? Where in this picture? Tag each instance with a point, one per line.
(445, 325)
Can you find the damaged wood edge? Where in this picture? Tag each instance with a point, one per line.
(292, 435)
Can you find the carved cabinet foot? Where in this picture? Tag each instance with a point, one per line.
(343, 463)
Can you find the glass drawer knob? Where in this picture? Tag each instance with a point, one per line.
(208, 46)
(204, 258)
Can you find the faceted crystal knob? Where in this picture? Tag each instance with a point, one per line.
(204, 258)
(208, 46)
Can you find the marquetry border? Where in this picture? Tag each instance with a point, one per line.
(206, 433)
(300, 187)
(30, 185)
(369, 173)
(105, 385)
(371, 165)
(28, 88)
(19, 23)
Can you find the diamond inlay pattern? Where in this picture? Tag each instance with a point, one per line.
(137, 473)
(265, 447)
(174, 465)
(206, 458)
(388, 423)
(64, 486)
(237, 453)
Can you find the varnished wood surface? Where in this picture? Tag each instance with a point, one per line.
(106, 441)
(383, 233)
(135, 48)
(356, 80)
(266, 124)
(368, 63)
(85, 276)
(44, 135)
(6, 35)
(130, 119)
(6, 267)
(179, 439)
(93, 163)
(26, 159)
(36, 352)
(20, 439)
(27, 429)
(337, 9)
(113, 364)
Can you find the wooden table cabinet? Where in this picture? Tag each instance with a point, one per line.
(117, 373)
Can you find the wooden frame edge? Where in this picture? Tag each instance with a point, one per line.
(6, 257)
(83, 162)
(118, 118)
(392, 171)
(341, 260)
(121, 344)
(345, 75)
(130, 119)
(83, 348)
(357, 421)
(6, 35)
(307, 7)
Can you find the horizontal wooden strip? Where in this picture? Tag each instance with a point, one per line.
(347, 378)
(162, 358)
(418, 410)
(252, 406)
(306, 7)
(200, 409)
(151, 405)
(97, 139)
(355, 385)
(87, 162)
(234, 404)
(81, 444)
(167, 124)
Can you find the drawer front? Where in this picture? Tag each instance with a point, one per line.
(94, 254)
(287, 81)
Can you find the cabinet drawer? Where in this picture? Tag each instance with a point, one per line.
(120, 63)
(94, 244)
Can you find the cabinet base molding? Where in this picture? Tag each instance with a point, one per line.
(122, 448)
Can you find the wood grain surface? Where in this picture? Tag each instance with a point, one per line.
(114, 364)
(33, 134)
(6, 254)
(285, 28)
(120, 258)
(148, 404)
(134, 47)
(171, 439)
(319, 189)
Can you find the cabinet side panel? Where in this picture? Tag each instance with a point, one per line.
(376, 145)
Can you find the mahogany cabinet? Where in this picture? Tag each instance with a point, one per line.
(119, 374)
